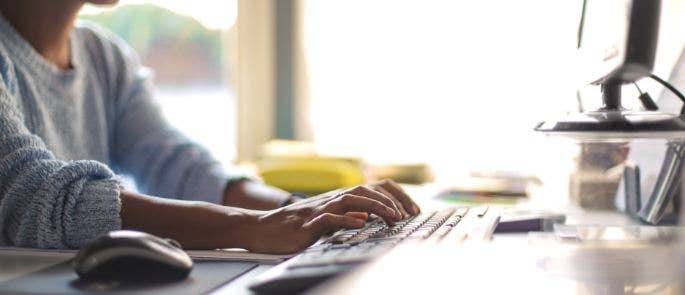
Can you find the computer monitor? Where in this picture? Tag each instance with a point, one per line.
(617, 39)
(617, 42)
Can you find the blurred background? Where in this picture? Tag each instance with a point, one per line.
(453, 86)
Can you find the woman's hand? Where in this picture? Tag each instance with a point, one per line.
(295, 227)
(402, 201)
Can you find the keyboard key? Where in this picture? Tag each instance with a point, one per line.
(420, 234)
(318, 248)
(338, 239)
(461, 211)
(481, 211)
(373, 240)
(452, 221)
(358, 238)
(339, 246)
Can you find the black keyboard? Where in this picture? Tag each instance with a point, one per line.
(348, 248)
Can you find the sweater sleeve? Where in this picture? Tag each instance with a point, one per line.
(162, 161)
(44, 202)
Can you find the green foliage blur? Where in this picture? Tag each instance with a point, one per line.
(162, 37)
(147, 24)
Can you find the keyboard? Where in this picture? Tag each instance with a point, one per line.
(347, 249)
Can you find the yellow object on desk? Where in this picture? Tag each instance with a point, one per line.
(310, 175)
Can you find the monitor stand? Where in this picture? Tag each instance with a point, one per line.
(614, 123)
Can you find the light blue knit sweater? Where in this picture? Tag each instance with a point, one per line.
(63, 133)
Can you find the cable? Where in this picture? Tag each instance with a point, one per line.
(672, 89)
(646, 100)
(581, 25)
(669, 86)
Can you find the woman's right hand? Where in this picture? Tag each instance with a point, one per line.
(295, 227)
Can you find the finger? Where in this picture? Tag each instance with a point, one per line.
(400, 195)
(398, 204)
(353, 203)
(372, 194)
(359, 215)
(329, 222)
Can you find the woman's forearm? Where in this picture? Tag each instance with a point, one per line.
(254, 195)
(196, 225)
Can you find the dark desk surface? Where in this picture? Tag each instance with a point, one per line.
(60, 278)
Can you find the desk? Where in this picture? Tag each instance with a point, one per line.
(503, 245)
(513, 264)
(15, 264)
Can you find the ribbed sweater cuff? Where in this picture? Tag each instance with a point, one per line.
(95, 213)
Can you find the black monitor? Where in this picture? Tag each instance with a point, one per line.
(617, 39)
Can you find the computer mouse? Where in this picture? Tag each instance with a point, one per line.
(132, 256)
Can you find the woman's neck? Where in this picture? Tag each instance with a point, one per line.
(45, 24)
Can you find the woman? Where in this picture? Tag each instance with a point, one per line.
(75, 105)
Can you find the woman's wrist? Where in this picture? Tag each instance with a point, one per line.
(219, 226)
(255, 229)
(241, 227)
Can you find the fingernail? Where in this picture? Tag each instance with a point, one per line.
(415, 209)
(358, 222)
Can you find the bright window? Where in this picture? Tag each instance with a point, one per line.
(183, 42)
(457, 84)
